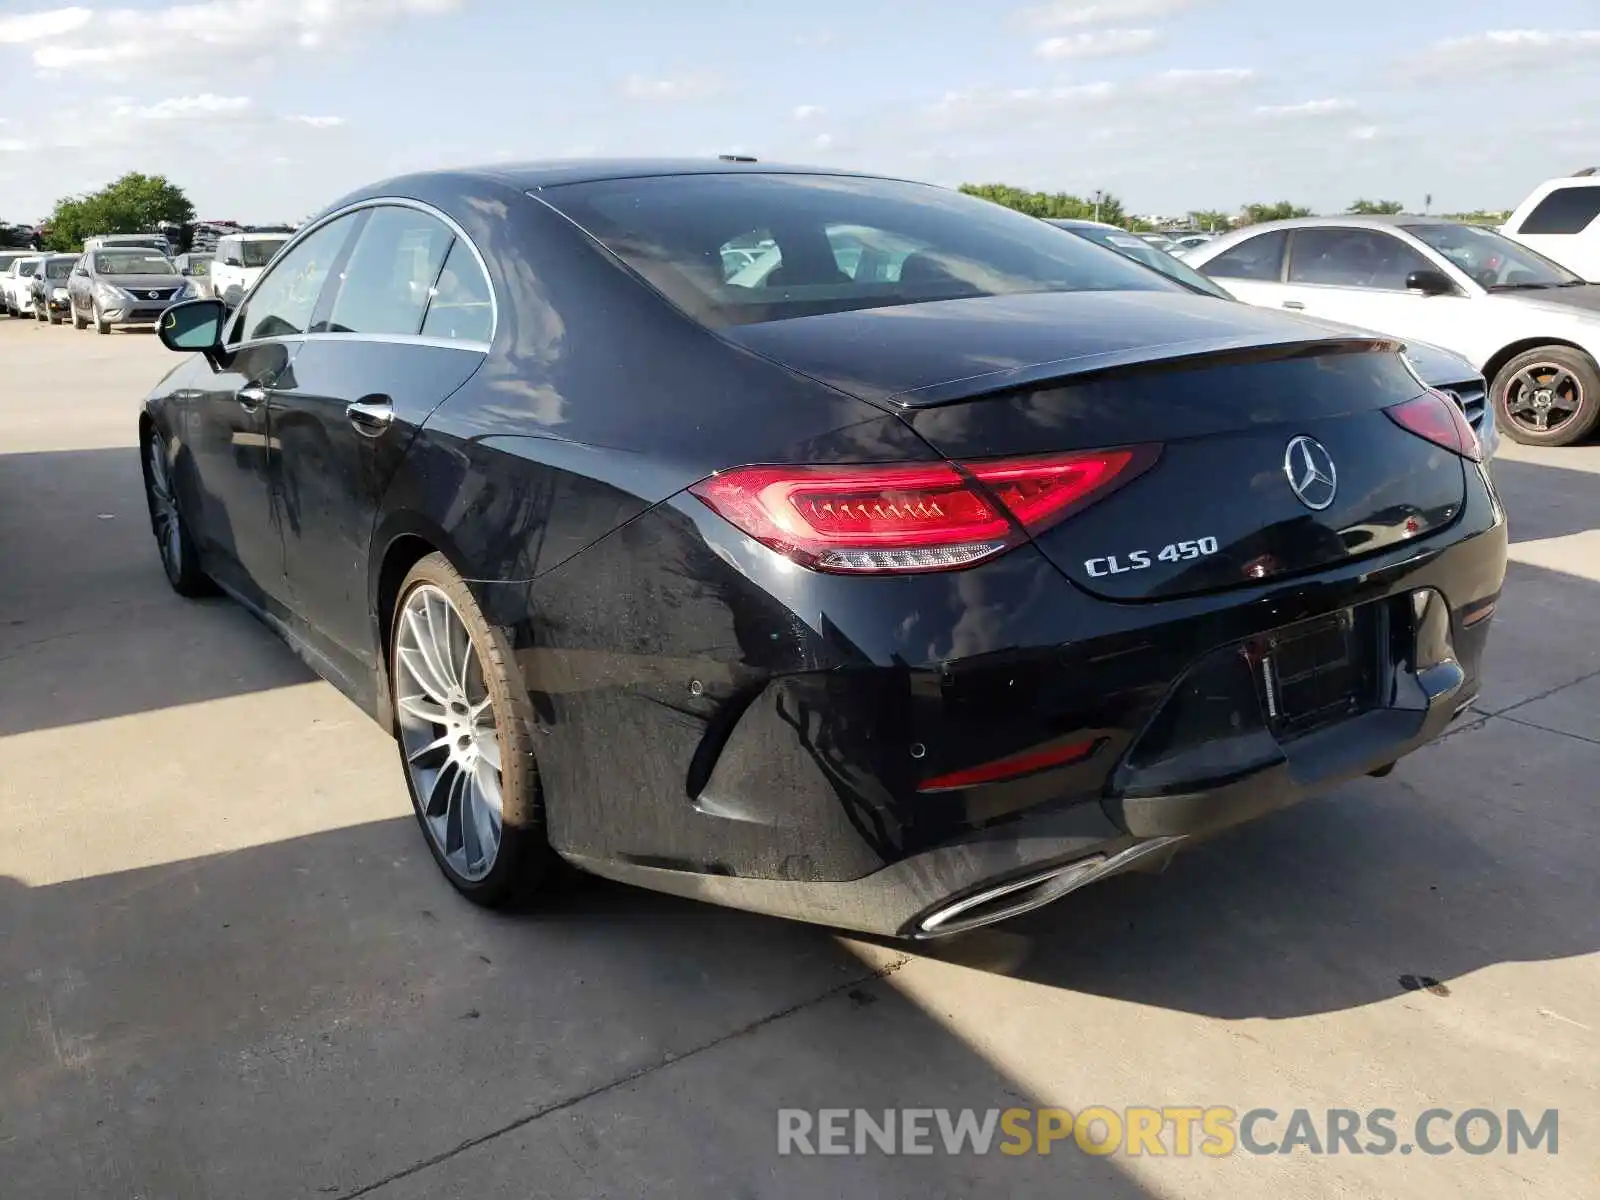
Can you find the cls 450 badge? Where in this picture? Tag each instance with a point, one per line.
(1143, 560)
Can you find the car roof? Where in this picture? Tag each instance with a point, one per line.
(532, 176)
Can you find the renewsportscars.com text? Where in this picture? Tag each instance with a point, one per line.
(1177, 1130)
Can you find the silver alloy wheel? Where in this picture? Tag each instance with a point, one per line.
(1543, 396)
(164, 509)
(448, 731)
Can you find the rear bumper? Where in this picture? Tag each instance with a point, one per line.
(782, 733)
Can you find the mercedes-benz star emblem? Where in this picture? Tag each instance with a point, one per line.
(1311, 473)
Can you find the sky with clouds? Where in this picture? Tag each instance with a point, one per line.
(265, 110)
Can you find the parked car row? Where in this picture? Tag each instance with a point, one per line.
(105, 287)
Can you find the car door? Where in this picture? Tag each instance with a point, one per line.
(231, 443)
(78, 285)
(408, 324)
(1252, 270)
(1357, 276)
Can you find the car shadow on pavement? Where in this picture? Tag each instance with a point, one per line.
(89, 628)
(1545, 501)
(324, 1016)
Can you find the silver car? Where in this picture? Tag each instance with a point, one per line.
(124, 287)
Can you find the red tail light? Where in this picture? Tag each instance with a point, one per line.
(1010, 768)
(1438, 419)
(912, 516)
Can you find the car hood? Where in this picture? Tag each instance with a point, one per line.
(134, 283)
(922, 354)
(1564, 300)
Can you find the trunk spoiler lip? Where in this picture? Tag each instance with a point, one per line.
(1169, 356)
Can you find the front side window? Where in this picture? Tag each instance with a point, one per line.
(462, 308)
(1494, 260)
(1354, 258)
(742, 248)
(285, 298)
(1259, 258)
(1570, 209)
(388, 281)
(132, 262)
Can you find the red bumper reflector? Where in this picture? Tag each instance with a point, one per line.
(1011, 768)
(1478, 612)
(878, 518)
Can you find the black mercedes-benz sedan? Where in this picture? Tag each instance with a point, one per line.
(831, 546)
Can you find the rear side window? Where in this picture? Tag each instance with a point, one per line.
(1260, 257)
(749, 247)
(391, 274)
(1565, 210)
(462, 308)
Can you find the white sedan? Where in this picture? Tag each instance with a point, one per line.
(1532, 327)
(16, 284)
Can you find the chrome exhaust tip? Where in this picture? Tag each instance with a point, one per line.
(1018, 896)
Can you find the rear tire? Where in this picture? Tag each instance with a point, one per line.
(442, 690)
(1559, 385)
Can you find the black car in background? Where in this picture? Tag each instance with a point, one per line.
(903, 571)
(52, 301)
(124, 286)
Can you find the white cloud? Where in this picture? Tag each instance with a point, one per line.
(1188, 79)
(180, 108)
(1069, 13)
(821, 40)
(805, 112)
(14, 146)
(1365, 133)
(1098, 44)
(1501, 48)
(315, 122)
(196, 35)
(679, 88)
(822, 141)
(1306, 108)
(36, 26)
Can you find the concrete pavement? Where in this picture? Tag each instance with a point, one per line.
(228, 967)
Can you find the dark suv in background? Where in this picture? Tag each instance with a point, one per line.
(51, 299)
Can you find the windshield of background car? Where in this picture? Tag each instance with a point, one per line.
(1493, 259)
(132, 262)
(259, 254)
(26, 269)
(58, 268)
(742, 248)
(1142, 251)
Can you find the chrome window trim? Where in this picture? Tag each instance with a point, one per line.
(401, 338)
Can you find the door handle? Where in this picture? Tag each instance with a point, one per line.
(1294, 304)
(372, 416)
(251, 397)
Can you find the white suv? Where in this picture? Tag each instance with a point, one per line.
(1561, 220)
(239, 261)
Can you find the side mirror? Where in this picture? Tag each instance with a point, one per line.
(192, 325)
(1430, 283)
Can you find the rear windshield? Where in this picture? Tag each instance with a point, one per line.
(738, 249)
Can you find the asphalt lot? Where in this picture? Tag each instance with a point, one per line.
(229, 969)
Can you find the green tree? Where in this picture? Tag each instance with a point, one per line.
(136, 203)
(1102, 206)
(1211, 220)
(1254, 214)
(1376, 207)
